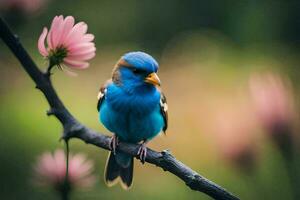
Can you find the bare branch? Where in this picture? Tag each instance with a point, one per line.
(74, 129)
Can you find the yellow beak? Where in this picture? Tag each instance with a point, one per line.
(152, 79)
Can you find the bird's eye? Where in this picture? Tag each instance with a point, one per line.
(136, 71)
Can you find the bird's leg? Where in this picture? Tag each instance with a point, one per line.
(114, 143)
(142, 152)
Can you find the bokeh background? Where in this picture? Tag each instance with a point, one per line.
(213, 55)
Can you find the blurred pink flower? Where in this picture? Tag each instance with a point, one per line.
(272, 98)
(29, 6)
(274, 106)
(50, 170)
(67, 43)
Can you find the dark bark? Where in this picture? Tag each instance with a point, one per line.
(74, 129)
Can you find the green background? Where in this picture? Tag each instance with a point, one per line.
(206, 51)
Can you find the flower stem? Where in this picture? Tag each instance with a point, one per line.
(66, 189)
(67, 159)
(65, 195)
(51, 65)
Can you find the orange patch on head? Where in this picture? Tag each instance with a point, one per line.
(123, 63)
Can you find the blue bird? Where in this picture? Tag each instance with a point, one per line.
(132, 107)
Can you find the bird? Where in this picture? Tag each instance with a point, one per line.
(133, 108)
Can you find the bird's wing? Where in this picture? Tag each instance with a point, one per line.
(101, 94)
(164, 111)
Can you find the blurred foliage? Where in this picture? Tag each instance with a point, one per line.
(206, 50)
(151, 24)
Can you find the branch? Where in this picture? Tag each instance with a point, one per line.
(74, 129)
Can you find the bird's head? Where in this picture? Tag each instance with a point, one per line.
(136, 70)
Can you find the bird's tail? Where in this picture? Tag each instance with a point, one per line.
(119, 167)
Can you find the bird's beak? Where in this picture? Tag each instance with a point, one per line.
(153, 79)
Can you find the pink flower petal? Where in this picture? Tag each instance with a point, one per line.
(76, 64)
(60, 163)
(81, 29)
(76, 33)
(88, 37)
(49, 38)
(82, 51)
(68, 25)
(57, 31)
(41, 43)
(81, 46)
(82, 57)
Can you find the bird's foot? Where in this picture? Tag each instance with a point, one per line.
(114, 143)
(142, 152)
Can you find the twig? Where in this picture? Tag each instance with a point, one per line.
(74, 129)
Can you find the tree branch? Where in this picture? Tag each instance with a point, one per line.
(74, 129)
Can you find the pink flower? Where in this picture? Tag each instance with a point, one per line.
(67, 43)
(274, 106)
(50, 170)
(272, 99)
(29, 6)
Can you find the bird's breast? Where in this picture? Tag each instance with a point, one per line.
(133, 117)
(139, 103)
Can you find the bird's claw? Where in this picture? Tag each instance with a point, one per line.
(114, 143)
(142, 152)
